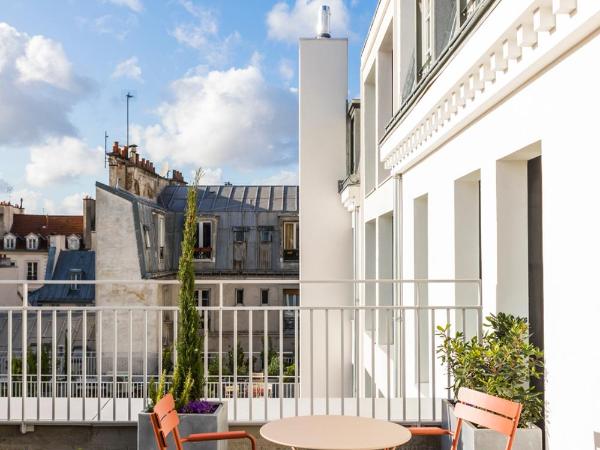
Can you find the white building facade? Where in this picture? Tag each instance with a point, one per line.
(477, 137)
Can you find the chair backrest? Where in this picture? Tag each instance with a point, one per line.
(491, 412)
(164, 422)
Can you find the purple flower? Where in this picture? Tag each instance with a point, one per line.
(199, 407)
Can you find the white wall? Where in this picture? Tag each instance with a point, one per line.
(325, 226)
(545, 103)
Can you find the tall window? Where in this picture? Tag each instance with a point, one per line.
(32, 242)
(32, 270)
(147, 241)
(75, 275)
(426, 35)
(204, 244)
(161, 237)
(9, 242)
(291, 240)
(264, 296)
(239, 297)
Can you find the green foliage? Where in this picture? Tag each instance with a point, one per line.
(227, 365)
(155, 393)
(17, 364)
(501, 364)
(189, 341)
(167, 360)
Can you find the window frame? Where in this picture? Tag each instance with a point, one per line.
(161, 236)
(75, 275)
(262, 297)
(292, 253)
(204, 252)
(32, 242)
(147, 240)
(73, 239)
(239, 297)
(10, 238)
(32, 269)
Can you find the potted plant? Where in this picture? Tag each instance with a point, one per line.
(502, 363)
(195, 415)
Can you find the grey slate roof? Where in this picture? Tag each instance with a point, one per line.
(69, 260)
(213, 199)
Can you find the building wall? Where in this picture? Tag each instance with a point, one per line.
(486, 138)
(325, 227)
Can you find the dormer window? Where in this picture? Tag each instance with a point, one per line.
(73, 242)
(75, 275)
(32, 242)
(10, 242)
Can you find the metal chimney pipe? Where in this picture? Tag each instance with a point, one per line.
(323, 24)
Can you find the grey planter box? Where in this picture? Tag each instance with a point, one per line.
(472, 438)
(188, 424)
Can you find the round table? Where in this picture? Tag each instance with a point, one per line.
(335, 433)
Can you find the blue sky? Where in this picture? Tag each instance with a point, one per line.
(215, 85)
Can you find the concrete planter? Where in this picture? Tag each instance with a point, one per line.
(189, 424)
(473, 438)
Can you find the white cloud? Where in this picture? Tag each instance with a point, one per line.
(282, 177)
(128, 68)
(30, 198)
(211, 176)
(71, 204)
(286, 69)
(203, 35)
(45, 61)
(134, 5)
(62, 159)
(287, 23)
(37, 88)
(231, 117)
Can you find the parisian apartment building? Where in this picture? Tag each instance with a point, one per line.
(243, 233)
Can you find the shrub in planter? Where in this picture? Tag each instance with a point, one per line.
(196, 416)
(501, 364)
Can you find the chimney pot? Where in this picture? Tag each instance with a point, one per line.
(323, 24)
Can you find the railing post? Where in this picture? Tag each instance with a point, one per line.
(24, 352)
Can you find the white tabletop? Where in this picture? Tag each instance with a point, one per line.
(335, 433)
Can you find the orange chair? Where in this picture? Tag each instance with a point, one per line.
(482, 409)
(165, 420)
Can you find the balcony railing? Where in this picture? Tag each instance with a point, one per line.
(372, 357)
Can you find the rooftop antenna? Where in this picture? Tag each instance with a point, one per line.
(128, 96)
(105, 144)
(323, 24)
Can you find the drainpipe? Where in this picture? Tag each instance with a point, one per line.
(397, 270)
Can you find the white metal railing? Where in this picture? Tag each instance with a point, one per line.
(372, 357)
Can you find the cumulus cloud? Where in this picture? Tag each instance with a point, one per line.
(128, 68)
(134, 5)
(282, 177)
(231, 117)
(62, 159)
(211, 176)
(288, 23)
(202, 34)
(38, 88)
(71, 204)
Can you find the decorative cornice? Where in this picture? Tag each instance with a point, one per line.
(543, 26)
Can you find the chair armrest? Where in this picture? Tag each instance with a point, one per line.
(220, 436)
(429, 431)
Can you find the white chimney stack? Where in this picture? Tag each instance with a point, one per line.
(323, 29)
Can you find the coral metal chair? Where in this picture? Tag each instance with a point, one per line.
(165, 420)
(482, 409)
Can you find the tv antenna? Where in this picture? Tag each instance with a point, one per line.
(128, 96)
(105, 144)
